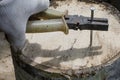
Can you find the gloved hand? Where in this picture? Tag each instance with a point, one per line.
(14, 15)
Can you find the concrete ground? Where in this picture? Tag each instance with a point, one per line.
(6, 66)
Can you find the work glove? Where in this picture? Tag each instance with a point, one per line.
(14, 15)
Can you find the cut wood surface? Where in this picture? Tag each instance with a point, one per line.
(61, 53)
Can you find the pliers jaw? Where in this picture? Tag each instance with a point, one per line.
(85, 23)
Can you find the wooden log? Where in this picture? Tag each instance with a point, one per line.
(70, 57)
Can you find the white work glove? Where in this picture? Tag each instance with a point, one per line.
(14, 15)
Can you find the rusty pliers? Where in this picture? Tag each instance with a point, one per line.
(60, 21)
(85, 23)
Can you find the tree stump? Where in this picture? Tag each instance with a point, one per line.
(55, 56)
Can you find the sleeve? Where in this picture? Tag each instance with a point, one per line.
(5, 2)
